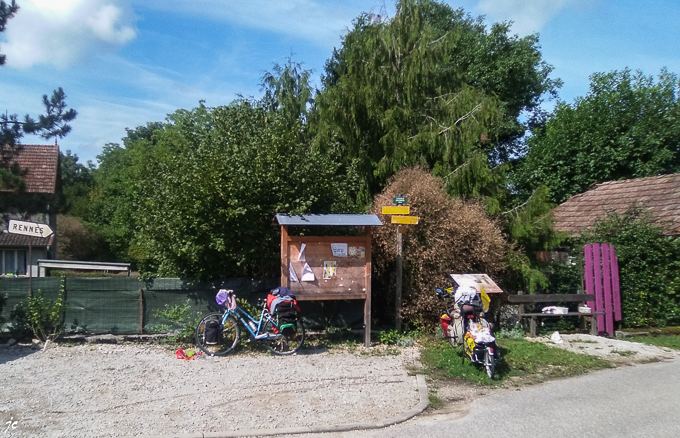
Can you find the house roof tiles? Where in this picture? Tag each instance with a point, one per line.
(19, 240)
(660, 195)
(41, 163)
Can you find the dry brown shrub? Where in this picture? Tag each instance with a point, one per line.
(452, 236)
(75, 242)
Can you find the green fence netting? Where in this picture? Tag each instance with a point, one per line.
(126, 305)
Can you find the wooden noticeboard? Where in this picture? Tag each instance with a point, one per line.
(341, 266)
(340, 269)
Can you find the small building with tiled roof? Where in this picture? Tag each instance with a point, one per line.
(660, 195)
(36, 202)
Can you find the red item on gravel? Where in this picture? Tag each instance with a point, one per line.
(180, 354)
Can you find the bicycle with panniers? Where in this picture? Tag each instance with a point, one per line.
(464, 323)
(278, 327)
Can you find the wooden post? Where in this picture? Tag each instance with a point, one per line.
(593, 325)
(141, 311)
(30, 267)
(400, 248)
(285, 262)
(367, 283)
(532, 321)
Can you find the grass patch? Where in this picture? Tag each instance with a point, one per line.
(519, 358)
(435, 402)
(668, 341)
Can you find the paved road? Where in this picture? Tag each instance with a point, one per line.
(635, 401)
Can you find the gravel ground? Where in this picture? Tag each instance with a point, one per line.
(618, 351)
(136, 389)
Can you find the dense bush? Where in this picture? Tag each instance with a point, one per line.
(76, 242)
(45, 318)
(564, 278)
(451, 236)
(649, 268)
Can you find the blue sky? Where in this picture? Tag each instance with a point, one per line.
(123, 63)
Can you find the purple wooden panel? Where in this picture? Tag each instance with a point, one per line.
(607, 286)
(590, 282)
(616, 291)
(597, 280)
(588, 268)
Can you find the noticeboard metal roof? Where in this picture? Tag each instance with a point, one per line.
(341, 220)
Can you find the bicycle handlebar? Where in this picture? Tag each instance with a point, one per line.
(444, 294)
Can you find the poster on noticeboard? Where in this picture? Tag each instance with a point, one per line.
(478, 281)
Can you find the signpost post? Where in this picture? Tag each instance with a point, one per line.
(399, 210)
(31, 229)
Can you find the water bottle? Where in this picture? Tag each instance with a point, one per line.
(252, 326)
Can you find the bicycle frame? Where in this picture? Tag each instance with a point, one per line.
(244, 318)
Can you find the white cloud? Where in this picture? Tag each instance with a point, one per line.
(528, 16)
(61, 32)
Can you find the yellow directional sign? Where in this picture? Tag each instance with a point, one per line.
(401, 209)
(406, 220)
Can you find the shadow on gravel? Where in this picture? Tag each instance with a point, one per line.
(308, 351)
(303, 351)
(8, 354)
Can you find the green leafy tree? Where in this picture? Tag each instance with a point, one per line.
(204, 204)
(110, 215)
(432, 87)
(627, 126)
(195, 196)
(54, 123)
(287, 89)
(76, 180)
(529, 227)
(437, 88)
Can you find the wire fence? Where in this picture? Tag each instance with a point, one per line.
(127, 305)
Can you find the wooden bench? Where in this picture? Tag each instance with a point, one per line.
(555, 298)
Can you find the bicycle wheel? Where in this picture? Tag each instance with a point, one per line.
(282, 344)
(455, 333)
(226, 340)
(489, 363)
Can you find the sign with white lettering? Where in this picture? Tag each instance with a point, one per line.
(29, 229)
